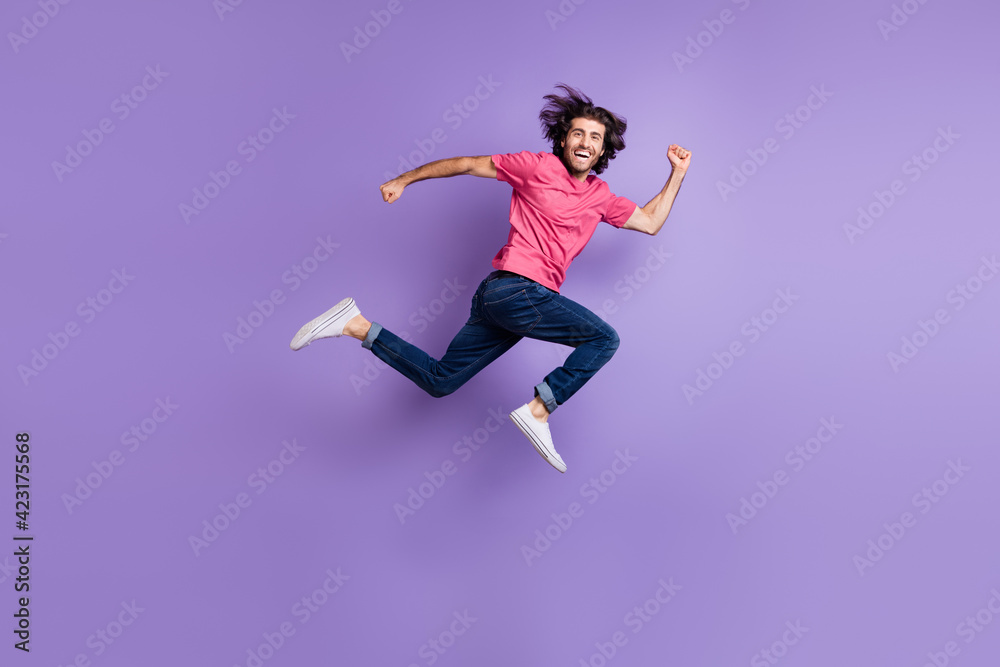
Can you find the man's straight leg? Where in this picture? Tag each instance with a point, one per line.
(476, 345)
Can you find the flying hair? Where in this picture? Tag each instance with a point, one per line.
(559, 112)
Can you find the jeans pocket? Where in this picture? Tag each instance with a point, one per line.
(513, 312)
(475, 310)
(476, 307)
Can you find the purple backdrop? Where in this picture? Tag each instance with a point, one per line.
(791, 459)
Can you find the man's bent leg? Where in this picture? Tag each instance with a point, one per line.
(537, 408)
(558, 319)
(595, 343)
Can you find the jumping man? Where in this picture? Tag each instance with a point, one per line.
(555, 207)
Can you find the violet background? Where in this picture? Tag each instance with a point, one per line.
(365, 446)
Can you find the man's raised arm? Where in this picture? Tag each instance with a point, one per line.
(650, 218)
(481, 165)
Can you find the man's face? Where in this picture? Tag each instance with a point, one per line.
(583, 146)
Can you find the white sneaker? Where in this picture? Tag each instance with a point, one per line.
(539, 435)
(328, 325)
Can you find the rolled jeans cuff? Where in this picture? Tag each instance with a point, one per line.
(373, 333)
(544, 393)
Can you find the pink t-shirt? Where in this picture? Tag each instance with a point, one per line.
(552, 215)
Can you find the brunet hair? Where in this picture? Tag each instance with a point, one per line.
(559, 112)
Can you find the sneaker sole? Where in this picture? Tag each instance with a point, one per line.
(538, 448)
(320, 322)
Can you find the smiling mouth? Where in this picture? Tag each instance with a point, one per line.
(581, 155)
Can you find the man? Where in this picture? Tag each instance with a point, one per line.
(555, 208)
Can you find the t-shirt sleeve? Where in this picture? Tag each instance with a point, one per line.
(619, 211)
(516, 168)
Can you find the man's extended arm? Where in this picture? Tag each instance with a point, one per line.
(481, 165)
(650, 218)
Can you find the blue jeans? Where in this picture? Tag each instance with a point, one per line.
(506, 308)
